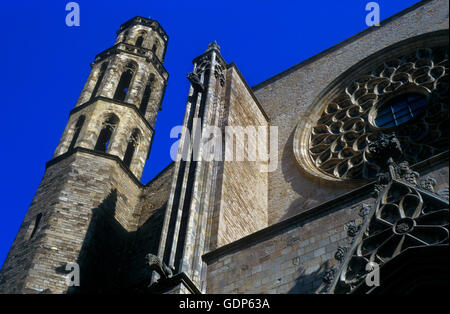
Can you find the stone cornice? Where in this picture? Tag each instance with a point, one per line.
(147, 54)
(117, 102)
(96, 153)
(153, 24)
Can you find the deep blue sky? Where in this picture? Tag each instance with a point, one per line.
(45, 65)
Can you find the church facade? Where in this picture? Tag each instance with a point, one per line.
(352, 199)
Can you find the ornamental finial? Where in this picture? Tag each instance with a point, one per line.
(212, 46)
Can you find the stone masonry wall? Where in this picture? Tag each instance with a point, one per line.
(292, 256)
(71, 191)
(287, 96)
(244, 185)
(152, 208)
(288, 257)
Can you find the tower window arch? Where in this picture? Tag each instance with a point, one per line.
(400, 110)
(104, 138)
(35, 225)
(133, 143)
(147, 94)
(140, 39)
(125, 36)
(76, 132)
(125, 81)
(155, 46)
(99, 79)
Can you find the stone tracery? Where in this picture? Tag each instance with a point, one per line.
(338, 144)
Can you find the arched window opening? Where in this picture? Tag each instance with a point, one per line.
(145, 99)
(147, 94)
(140, 39)
(400, 109)
(125, 36)
(131, 147)
(99, 79)
(76, 132)
(155, 46)
(125, 81)
(37, 220)
(108, 127)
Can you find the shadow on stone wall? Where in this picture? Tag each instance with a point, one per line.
(111, 259)
(311, 283)
(311, 191)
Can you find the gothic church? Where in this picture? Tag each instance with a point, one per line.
(360, 183)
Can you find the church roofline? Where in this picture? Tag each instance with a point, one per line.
(233, 65)
(337, 46)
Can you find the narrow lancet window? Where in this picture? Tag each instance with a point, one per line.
(76, 132)
(99, 79)
(155, 46)
(125, 82)
(104, 138)
(37, 220)
(125, 37)
(131, 148)
(140, 39)
(145, 99)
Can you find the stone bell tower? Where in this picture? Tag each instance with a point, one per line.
(96, 167)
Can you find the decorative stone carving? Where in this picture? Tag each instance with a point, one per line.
(155, 263)
(404, 218)
(364, 211)
(427, 183)
(328, 276)
(218, 73)
(340, 253)
(352, 228)
(384, 147)
(213, 46)
(338, 145)
(405, 173)
(195, 82)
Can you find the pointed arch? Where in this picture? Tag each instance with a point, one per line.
(140, 39)
(125, 81)
(99, 79)
(147, 94)
(125, 36)
(155, 46)
(133, 143)
(104, 138)
(76, 132)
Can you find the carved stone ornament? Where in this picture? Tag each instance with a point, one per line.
(352, 228)
(218, 73)
(213, 46)
(364, 211)
(195, 82)
(340, 253)
(338, 145)
(405, 173)
(328, 276)
(155, 264)
(384, 147)
(405, 217)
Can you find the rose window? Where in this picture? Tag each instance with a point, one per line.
(407, 94)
